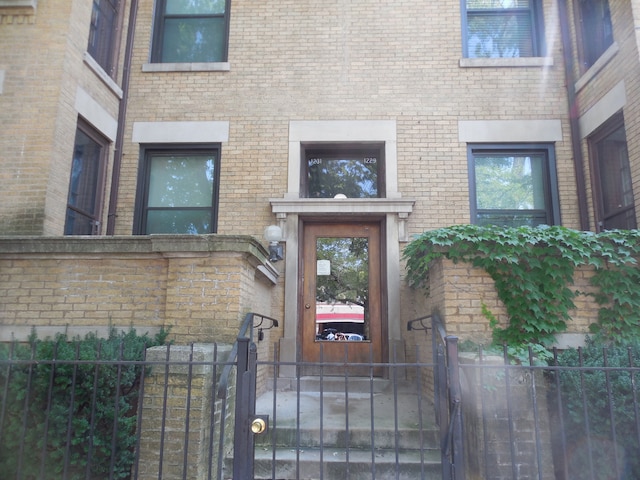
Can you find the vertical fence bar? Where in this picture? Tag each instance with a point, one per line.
(372, 419)
(346, 411)
(212, 417)
(185, 458)
(612, 416)
(636, 414)
(242, 464)
(163, 426)
(585, 410)
(536, 416)
(67, 449)
(92, 420)
(396, 431)
(47, 414)
(455, 402)
(143, 374)
(25, 411)
(507, 385)
(116, 411)
(559, 406)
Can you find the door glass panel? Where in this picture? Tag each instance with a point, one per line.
(342, 289)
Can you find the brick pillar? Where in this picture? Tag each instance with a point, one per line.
(166, 397)
(488, 410)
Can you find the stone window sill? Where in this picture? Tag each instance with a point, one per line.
(506, 62)
(187, 67)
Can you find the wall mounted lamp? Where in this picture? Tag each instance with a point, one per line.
(273, 235)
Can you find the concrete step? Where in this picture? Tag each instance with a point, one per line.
(340, 464)
(328, 428)
(356, 437)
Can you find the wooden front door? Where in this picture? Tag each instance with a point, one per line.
(341, 316)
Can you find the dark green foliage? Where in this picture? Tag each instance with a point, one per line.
(596, 403)
(533, 269)
(66, 402)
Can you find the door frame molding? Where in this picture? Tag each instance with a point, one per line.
(291, 210)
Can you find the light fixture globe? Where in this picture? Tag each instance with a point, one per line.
(273, 235)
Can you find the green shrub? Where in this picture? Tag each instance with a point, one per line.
(592, 412)
(67, 409)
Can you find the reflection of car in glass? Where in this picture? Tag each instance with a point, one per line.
(354, 337)
(333, 334)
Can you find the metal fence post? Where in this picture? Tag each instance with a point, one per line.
(455, 408)
(243, 443)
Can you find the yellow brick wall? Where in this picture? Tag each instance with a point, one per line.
(193, 289)
(42, 59)
(458, 291)
(623, 66)
(346, 60)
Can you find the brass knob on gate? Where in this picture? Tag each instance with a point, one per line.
(258, 426)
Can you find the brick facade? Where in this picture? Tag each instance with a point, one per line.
(396, 62)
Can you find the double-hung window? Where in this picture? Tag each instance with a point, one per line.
(86, 186)
(502, 28)
(191, 32)
(178, 190)
(103, 34)
(513, 185)
(596, 31)
(611, 176)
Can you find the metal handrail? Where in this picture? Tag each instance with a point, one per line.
(242, 333)
(436, 322)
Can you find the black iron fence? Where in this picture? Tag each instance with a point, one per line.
(173, 414)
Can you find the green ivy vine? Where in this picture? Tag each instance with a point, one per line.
(533, 269)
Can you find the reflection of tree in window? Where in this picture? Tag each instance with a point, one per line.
(194, 31)
(348, 281)
(351, 177)
(509, 183)
(499, 28)
(180, 198)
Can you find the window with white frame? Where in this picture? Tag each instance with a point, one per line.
(190, 32)
(178, 189)
(513, 185)
(502, 28)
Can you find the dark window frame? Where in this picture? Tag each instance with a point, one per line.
(550, 179)
(146, 154)
(594, 35)
(333, 149)
(104, 34)
(595, 141)
(94, 217)
(536, 17)
(159, 30)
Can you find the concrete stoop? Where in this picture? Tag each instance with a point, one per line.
(402, 446)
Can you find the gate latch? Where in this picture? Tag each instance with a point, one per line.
(260, 424)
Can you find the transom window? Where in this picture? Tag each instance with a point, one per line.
(86, 185)
(594, 25)
(615, 206)
(503, 28)
(191, 32)
(103, 34)
(179, 190)
(513, 185)
(352, 171)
